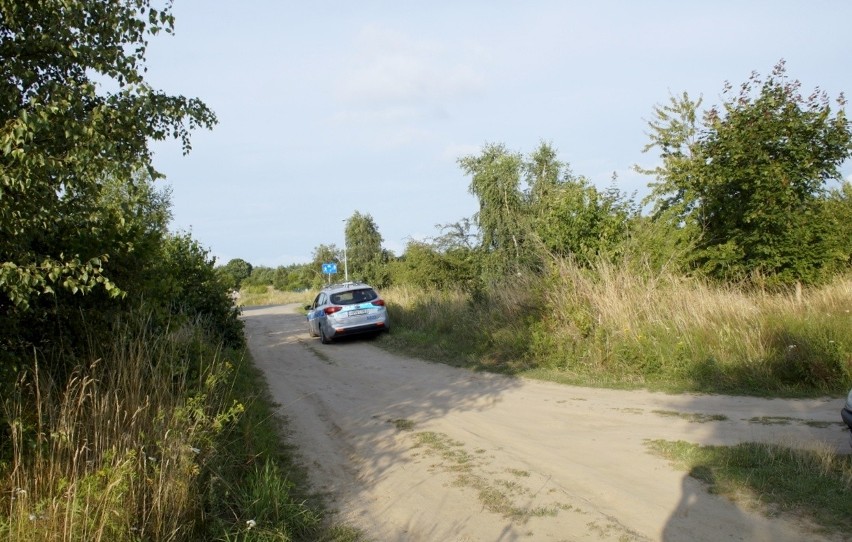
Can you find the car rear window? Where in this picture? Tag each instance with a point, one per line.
(364, 295)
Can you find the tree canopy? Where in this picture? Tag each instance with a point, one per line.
(532, 206)
(79, 210)
(62, 135)
(363, 247)
(495, 181)
(748, 184)
(235, 272)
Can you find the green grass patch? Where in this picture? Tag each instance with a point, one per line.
(772, 420)
(449, 450)
(695, 417)
(402, 424)
(495, 495)
(812, 485)
(786, 420)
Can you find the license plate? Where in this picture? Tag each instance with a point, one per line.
(357, 313)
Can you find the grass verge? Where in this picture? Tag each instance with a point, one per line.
(815, 486)
(613, 327)
(159, 437)
(256, 295)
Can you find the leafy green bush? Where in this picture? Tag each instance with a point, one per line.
(191, 287)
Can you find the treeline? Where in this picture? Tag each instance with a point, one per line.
(746, 192)
(731, 276)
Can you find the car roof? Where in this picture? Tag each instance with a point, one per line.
(344, 286)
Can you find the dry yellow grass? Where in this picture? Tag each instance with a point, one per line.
(114, 453)
(250, 298)
(609, 323)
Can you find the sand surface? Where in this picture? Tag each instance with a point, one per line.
(413, 451)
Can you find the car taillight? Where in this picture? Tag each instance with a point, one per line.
(378, 303)
(331, 310)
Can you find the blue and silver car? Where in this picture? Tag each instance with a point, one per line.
(350, 308)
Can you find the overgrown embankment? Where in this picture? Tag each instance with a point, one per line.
(615, 327)
(159, 436)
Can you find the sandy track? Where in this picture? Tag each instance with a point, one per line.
(414, 451)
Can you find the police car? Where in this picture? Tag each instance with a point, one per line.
(350, 308)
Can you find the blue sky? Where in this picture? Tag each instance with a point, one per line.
(327, 108)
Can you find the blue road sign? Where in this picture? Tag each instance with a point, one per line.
(329, 268)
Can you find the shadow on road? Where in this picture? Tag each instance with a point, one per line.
(351, 405)
(691, 514)
(810, 425)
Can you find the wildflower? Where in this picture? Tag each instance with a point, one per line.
(251, 523)
(791, 347)
(32, 517)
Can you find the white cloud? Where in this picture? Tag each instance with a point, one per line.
(398, 87)
(389, 67)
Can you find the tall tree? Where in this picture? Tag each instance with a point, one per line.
(235, 272)
(543, 172)
(557, 214)
(502, 218)
(753, 183)
(363, 247)
(61, 135)
(674, 133)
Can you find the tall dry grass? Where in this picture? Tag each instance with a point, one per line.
(490, 330)
(117, 451)
(662, 326)
(609, 324)
(259, 295)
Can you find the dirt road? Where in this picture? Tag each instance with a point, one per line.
(415, 451)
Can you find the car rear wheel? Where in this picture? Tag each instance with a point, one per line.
(324, 339)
